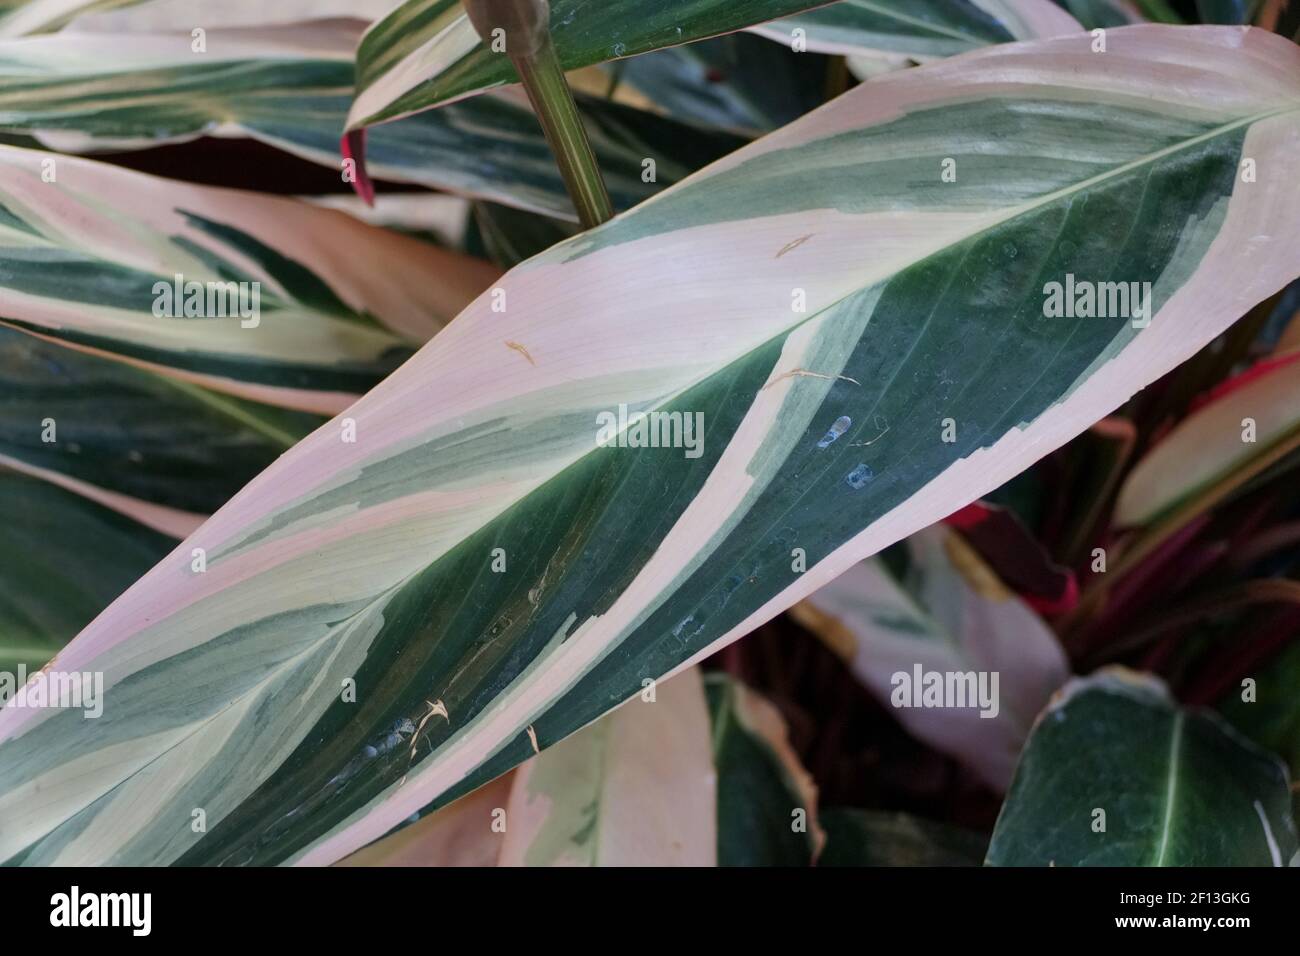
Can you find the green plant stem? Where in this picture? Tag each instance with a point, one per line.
(549, 92)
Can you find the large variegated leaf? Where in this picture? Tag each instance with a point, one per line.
(161, 450)
(63, 559)
(696, 771)
(920, 29)
(90, 256)
(425, 52)
(828, 312)
(290, 88)
(1116, 774)
(1258, 413)
(944, 614)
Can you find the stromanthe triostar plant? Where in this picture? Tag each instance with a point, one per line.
(455, 574)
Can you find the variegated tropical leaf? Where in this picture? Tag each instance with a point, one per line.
(63, 559)
(828, 314)
(161, 450)
(943, 613)
(1256, 414)
(426, 53)
(695, 771)
(875, 838)
(1116, 774)
(919, 30)
(313, 308)
(22, 17)
(291, 87)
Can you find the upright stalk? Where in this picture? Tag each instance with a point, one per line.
(524, 28)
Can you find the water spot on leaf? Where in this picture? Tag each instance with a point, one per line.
(838, 428)
(859, 476)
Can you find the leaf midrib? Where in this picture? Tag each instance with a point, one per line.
(1171, 787)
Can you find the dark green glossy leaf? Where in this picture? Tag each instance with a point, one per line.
(1115, 774)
